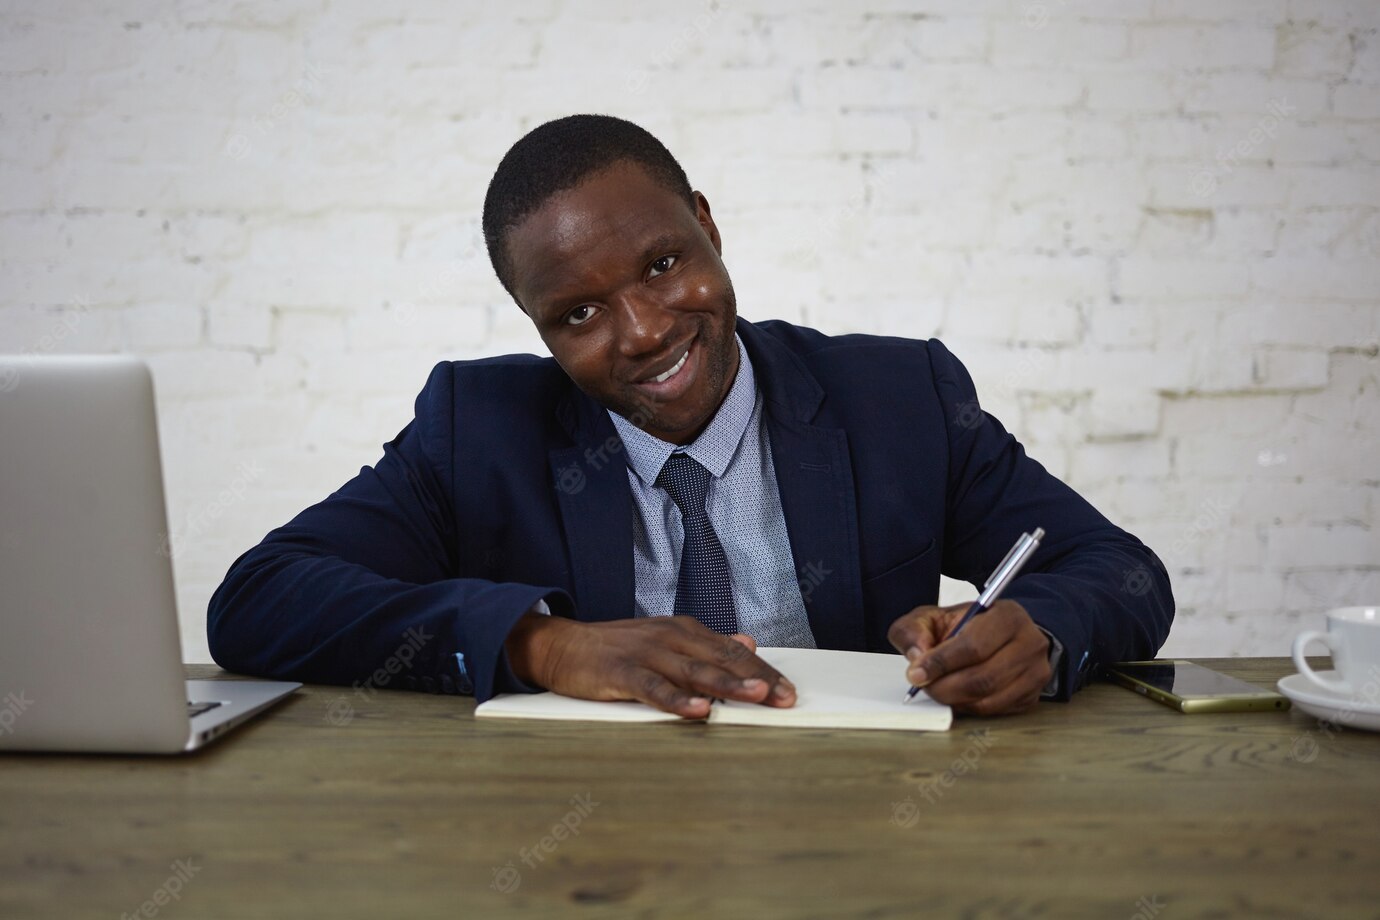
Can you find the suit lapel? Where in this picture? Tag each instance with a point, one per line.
(591, 480)
(815, 480)
(814, 477)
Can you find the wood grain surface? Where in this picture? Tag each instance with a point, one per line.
(392, 804)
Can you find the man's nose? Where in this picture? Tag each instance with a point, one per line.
(643, 325)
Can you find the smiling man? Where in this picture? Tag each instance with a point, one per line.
(632, 517)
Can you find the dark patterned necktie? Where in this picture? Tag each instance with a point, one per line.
(704, 590)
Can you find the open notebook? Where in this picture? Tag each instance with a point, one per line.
(833, 690)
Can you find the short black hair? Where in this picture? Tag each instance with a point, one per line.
(559, 155)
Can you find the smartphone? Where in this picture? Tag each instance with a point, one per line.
(1190, 687)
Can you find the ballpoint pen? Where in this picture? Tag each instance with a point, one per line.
(996, 583)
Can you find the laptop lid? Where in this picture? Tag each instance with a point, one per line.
(90, 657)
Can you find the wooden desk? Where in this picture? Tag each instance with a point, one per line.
(397, 804)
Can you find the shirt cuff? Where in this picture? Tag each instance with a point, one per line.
(1056, 658)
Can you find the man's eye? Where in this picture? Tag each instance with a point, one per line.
(662, 265)
(579, 315)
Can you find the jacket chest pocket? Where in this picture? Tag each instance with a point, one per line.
(902, 587)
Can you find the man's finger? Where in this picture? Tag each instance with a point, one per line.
(739, 659)
(979, 640)
(1019, 694)
(648, 686)
(970, 647)
(705, 678)
(923, 627)
(733, 656)
(979, 678)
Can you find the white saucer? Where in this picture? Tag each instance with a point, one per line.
(1329, 705)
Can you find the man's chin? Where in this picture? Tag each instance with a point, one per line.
(668, 426)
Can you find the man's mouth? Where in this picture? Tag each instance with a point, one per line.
(675, 380)
(662, 378)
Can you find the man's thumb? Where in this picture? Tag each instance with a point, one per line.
(745, 639)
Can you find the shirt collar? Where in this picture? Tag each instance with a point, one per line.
(715, 446)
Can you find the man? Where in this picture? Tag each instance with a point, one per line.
(630, 519)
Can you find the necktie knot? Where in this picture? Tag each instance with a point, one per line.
(686, 481)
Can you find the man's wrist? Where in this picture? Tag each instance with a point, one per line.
(529, 643)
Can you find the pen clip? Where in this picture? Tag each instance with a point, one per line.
(1001, 566)
(1010, 566)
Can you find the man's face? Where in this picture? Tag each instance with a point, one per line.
(624, 282)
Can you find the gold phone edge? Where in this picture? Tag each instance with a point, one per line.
(1267, 701)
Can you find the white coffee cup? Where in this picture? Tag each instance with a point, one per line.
(1353, 638)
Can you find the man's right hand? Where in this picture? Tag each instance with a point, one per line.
(676, 664)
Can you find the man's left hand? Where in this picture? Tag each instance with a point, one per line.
(997, 665)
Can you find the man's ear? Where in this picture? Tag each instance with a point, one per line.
(707, 222)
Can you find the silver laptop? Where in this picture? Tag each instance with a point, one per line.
(90, 655)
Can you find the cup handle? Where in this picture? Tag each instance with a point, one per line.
(1301, 643)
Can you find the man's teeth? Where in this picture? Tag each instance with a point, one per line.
(662, 378)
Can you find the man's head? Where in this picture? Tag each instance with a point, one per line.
(593, 229)
(558, 156)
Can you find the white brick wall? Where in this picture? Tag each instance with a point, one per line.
(1150, 227)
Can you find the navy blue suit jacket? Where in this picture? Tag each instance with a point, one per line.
(510, 486)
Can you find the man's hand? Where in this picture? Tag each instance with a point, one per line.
(673, 663)
(998, 664)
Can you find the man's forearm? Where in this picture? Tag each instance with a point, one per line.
(1104, 603)
(287, 614)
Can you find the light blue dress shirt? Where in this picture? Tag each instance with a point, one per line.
(743, 505)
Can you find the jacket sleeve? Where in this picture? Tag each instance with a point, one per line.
(1103, 593)
(358, 589)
